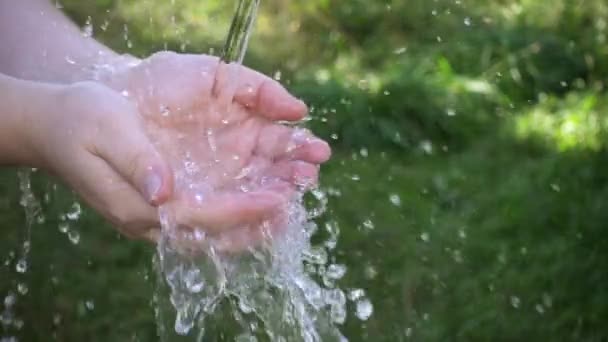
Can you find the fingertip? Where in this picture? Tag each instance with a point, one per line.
(320, 151)
(315, 151)
(299, 110)
(158, 185)
(276, 103)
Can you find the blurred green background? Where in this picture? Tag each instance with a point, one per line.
(469, 182)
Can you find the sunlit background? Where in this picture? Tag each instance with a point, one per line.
(469, 181)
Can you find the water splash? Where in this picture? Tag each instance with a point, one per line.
(269, 291)
(9, 321)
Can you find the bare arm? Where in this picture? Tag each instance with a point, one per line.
(19, 100)
(40, 43)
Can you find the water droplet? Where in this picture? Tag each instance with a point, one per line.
(64, 227)
(10, 300)
(547, 300)
(335, 271)
(426, 146)
(364, 309)
(515, 302)
(75, 212)
(363, 84)
(370, 272)
(87, 30)
(21, 266)
(457, 255)
(74, 236)
(400, 50)
(395, 200)
(355, 294)
(462, 234)
(539, 308)
(467, 21)
(124, 93)
(368, 225)
(164, 111)
(90, 304)
(425, 237)
(316, 255)
(22, 289)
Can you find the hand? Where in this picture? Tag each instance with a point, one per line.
(241, 165)
(234, 165)
(93, 139)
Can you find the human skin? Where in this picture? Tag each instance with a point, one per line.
(74, 108)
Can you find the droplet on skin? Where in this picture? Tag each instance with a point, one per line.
(164, 111)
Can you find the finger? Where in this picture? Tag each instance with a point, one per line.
(297, 173)
(260, 93)
(282, 142)
(100, 186)
(224, 211)
(125, 146)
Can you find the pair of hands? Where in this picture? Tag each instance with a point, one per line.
(202, 138)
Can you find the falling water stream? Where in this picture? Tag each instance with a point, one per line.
(282, 290)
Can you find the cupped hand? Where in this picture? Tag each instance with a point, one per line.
(226, 165)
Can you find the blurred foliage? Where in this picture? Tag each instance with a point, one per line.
(470, 146)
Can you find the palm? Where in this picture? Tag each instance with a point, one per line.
(216, 125)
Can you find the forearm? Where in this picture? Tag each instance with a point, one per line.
(20, 101)
(39, 43)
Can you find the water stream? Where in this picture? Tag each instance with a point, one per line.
(283, 290)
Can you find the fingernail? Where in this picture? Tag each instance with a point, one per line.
(152, 187)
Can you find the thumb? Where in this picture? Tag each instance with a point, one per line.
(127, 149)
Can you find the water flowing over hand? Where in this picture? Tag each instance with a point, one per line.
(219, 126)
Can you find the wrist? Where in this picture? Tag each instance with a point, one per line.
(23, 103)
